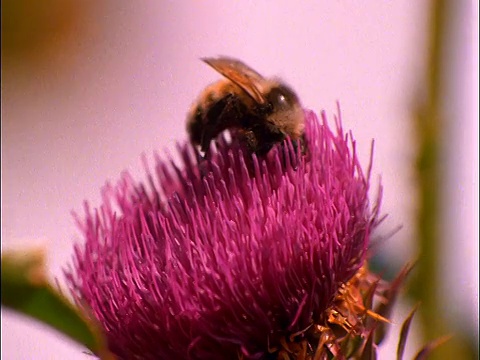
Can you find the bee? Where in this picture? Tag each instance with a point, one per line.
(262, 111)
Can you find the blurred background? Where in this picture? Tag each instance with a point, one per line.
(88, 86)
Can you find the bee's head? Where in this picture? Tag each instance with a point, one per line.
(284, 110)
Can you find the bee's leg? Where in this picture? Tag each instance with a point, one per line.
(263, 149)
(250, 140)
(202, 164)
(267, 136)
(205, 142)
(199, 156)
(195, 126)
(302, 144)
(219, 117)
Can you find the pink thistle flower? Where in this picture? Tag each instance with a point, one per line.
(223, 259)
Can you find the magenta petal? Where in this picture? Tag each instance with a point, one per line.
(215, 260)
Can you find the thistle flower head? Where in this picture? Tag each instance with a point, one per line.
(227, 257)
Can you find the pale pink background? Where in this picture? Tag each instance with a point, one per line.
(124, 82)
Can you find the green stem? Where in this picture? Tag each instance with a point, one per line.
(429, 124)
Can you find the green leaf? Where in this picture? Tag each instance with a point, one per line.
(432, 345)
(369, 351)
(404, 333)
(385, 308)
(351, 345)
(25, 289)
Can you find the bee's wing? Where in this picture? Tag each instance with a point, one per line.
(239, 73)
